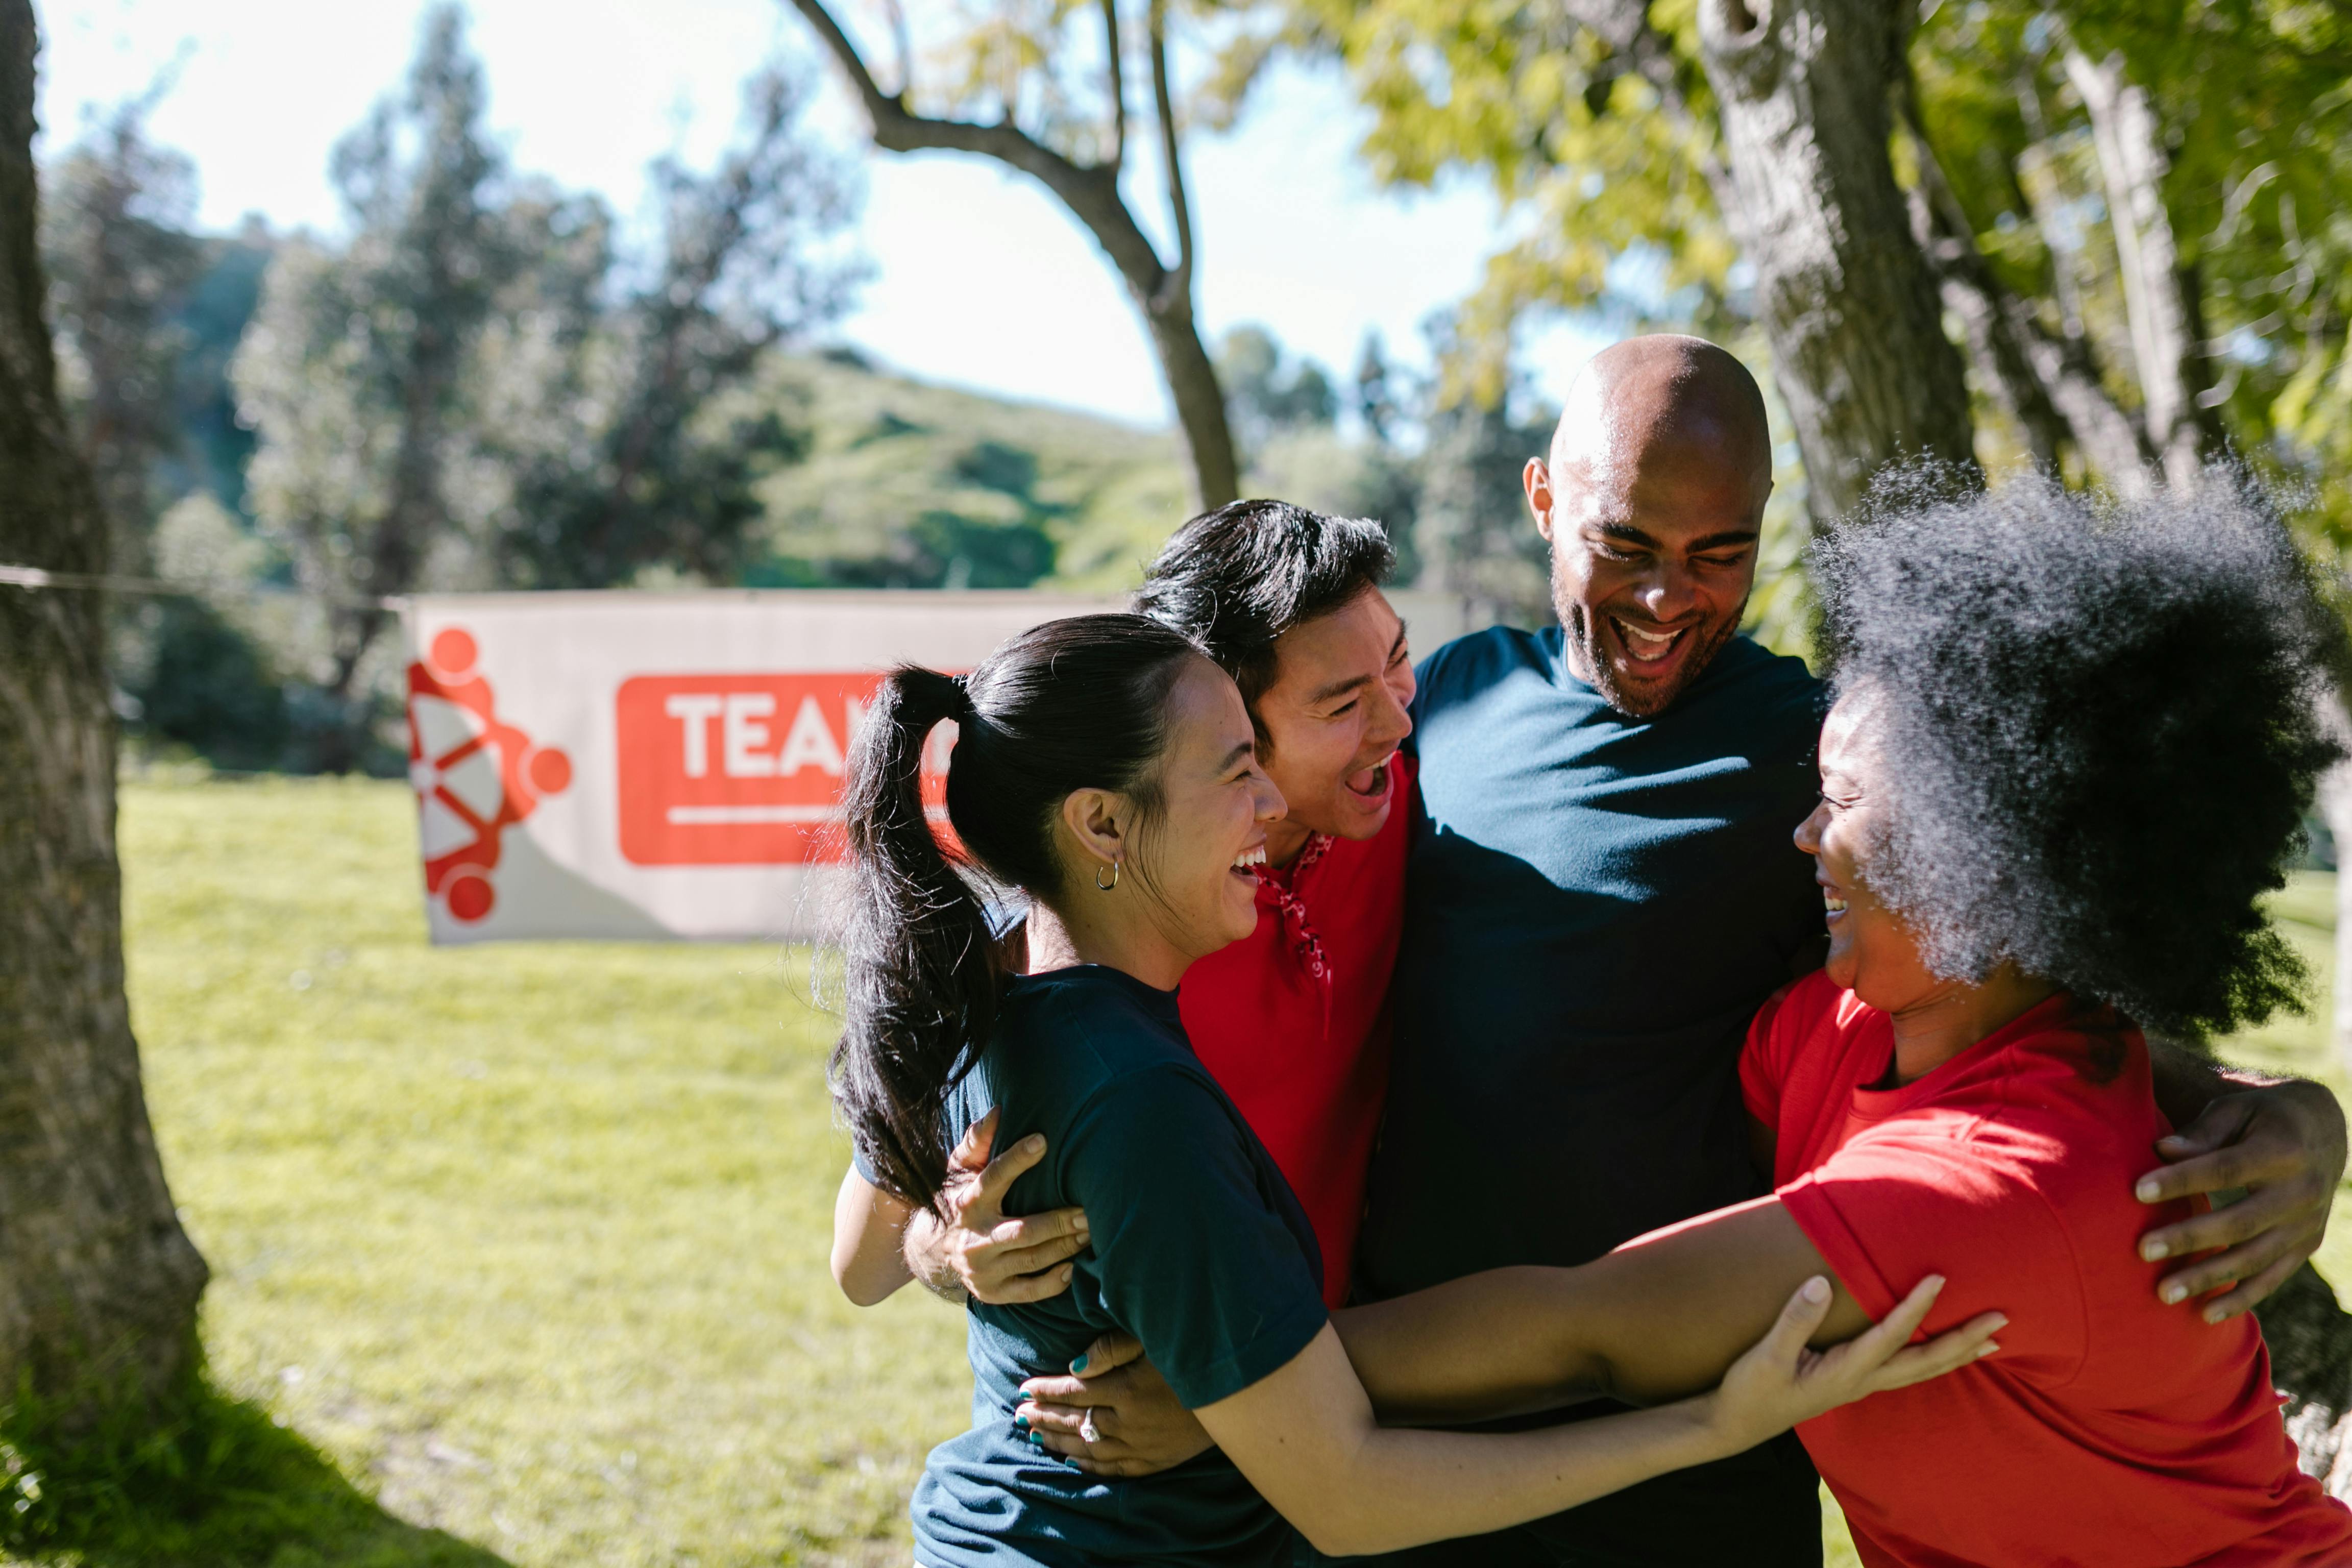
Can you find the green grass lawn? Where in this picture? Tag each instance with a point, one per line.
(529, 1241)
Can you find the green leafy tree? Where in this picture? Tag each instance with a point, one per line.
(352, 374)
(1683, 161)
(478, 388)
(657, 452)
(1268, 392)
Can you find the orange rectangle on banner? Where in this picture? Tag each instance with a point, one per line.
(742, 770)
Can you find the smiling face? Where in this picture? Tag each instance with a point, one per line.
(1333, 716)
(1651, 564)
(1651, 500)
(1873, 951)
(1196, 860)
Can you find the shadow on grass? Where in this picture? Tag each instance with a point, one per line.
(211, 1482)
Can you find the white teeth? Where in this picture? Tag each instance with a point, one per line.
(1249, 858)
(1834, 905)
(1641, 642)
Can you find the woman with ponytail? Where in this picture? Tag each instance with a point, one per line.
(1106, 771)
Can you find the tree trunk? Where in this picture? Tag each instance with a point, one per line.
(97, 1282)
(1802, 90)
(2310, 1341)
(2336, 806)
(1200, 401)
(2132, 165)
(2049, 384)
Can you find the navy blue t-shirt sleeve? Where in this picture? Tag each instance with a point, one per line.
(1191, 1254)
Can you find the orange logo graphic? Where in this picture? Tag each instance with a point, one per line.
(744, 769)
(474, 775)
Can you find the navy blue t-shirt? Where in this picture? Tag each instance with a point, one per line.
(1199, 1251)
(1596, 906)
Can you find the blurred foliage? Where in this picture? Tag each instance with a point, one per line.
(1605, 190)
(2255, 100)
(476, 388)
(1267, 392)
(116, 241)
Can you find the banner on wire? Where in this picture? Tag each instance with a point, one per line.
(624, 765)
(627, 765)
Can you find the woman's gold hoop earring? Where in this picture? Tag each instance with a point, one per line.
(1103, 887)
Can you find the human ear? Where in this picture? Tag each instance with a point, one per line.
(1537, 480)
(1097, 820)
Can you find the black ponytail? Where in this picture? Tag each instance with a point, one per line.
(1069, 705)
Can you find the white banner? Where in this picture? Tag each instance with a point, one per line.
(661, 765)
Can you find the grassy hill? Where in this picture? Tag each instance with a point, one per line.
(909, 484)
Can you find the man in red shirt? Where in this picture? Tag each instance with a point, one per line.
(1292, 1020)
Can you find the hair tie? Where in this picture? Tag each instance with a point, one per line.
(964, 711)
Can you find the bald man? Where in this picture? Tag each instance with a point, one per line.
(1600, 893)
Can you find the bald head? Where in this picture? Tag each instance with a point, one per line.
(1664, 395)
(1652, 501)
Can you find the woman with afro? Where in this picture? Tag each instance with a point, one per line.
(2071, 749)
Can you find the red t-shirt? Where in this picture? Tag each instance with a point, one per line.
(1293, 1019)
(2111, 1428)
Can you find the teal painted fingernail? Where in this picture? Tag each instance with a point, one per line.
(1021, 1422)
(1079, 1367)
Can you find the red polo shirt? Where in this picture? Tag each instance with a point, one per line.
(1293, 1019)
(2111, 1428)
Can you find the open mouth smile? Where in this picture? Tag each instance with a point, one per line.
(1247, 862)
(1370, 784)
(1834, 905)
(1646, 649)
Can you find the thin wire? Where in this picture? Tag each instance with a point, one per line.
(41, 577)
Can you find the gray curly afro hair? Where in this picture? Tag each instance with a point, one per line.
(2100, 726)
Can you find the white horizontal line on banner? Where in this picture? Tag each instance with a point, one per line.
(714, 815)
(726, 816)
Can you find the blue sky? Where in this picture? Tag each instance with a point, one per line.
(981, 279)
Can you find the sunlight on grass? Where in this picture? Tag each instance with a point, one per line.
(530, 1241)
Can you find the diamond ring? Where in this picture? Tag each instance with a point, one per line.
(1087, 1433)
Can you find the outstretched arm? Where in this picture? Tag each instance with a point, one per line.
(2278, 1139)
(1656, 1319)
(1308, 1439)
(1660, 1317)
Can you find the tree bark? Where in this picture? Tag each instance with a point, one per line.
(2336, 808)
(2310, 1341)
(2132, 165)
(1091, 193)
(2050, 383)
(97, 1282)
(1848, 302)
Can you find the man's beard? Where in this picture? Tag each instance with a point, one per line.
(1584, 644)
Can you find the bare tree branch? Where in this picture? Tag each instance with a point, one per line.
(2132, 165)
(2049, 383)
(1162, 103)
(1117, 66)
(1089, 190)
(1091, 193)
